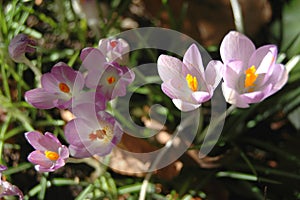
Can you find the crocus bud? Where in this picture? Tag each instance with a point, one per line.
(20, 45)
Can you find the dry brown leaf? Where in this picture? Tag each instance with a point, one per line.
(137, 165)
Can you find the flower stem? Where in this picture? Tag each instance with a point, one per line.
(35, 70)
(237, 15)
(145, 183)
(209, 133)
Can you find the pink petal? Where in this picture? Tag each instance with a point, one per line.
(50, 83)
(168, 67)
(236, 46)
(63, 152)
(43, 142)
(185, 106)
(192, 59)
(233, 97)
(79, 151)
(263, 58)
(232, 74)
(40, 98)
(39, 158)
(213, 73)
(94, 59)
(201, 96)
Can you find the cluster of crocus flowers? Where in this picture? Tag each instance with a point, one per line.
(8, 189)
(94, 131)
(249, 75)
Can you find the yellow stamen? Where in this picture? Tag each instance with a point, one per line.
(64, 87)
(111, 79)
(51, 155)
(192, 82)
(251, 77)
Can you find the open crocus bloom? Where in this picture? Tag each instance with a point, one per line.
(187, 83)
(6, 188)
(92, 132)
(115, 50)
(49, 154)
(250, 75)
(20, 45)
(58, 88)
(109, 78)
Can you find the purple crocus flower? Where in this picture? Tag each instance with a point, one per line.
(250, 75)
(58, 88)
(20, 45)
(187, 83)
(115, 50)
(49, 154)
(92, 132)
(109, 78)
(6, 188)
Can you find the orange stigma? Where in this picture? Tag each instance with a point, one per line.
(111, 80)
(64, 87)
(113, 43)
(51, 155)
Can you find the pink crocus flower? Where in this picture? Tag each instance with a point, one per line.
(187, 83)
(115, 50)
(49, 154)
(92, 132)
(250, 75)
(109, 78)
(58, 88)
(20, 45)
(6, 188)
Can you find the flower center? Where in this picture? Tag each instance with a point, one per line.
(251, 77)
(105, 134)
(64, 87)
(111, 80)
(113, 43)
(51, 155)
(192, 82)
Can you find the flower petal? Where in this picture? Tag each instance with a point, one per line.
(93, 59)
(168, 67)
(39, 158)
(236, 46)
(233, 97)
(201, 96)
(213, 73)
(193, 60)
(263, 58)
(40, 98)
(185, 106)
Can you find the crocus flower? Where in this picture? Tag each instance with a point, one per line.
(109, 78)
(49, 154)
(58, 88)
(92, 133)
(20, 45)
(187, 83)
(115, 50)
(250, 75)
(6, 188)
